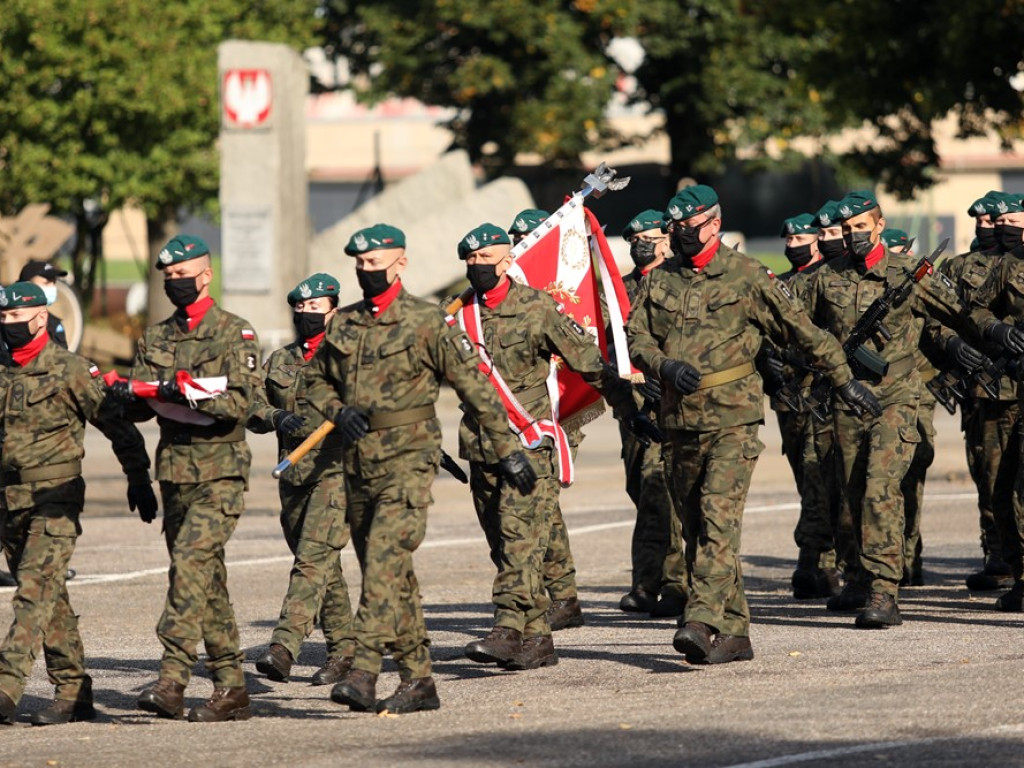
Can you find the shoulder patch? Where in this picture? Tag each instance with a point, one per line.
(463, 346)
(946, 281)
(248, 334)
(94, 371)
(576, 326)
(250, 362)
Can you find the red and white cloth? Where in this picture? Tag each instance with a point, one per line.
(194, 390)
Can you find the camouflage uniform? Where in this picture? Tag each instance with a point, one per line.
(876, 453)
(521, 334)
(656, 549)
(558, 567)
(203, 472)
(391, 364)
(45, 405)
(715, 320)
(312, 512)
(991, 431)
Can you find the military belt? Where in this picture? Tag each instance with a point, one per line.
(38, 474)
(531, 394)
(718, 378)
(180, 434)
(388, 419)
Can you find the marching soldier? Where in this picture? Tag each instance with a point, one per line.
(830, 231)
(46, 396)
(517, 330)
(44, 274)
(697, 323)
(376, 377)
(659, 572)
(312, 495)
(202, 464)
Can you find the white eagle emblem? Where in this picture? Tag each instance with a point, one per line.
(472, 243)
(791, 227)
(675, 211)
(304, 291)
(979, 208)
(360, 242)
(845, 211)
(3, 298)
(637, 225)
(165, 257)
(1002, 207)
(824, 219)
(521, 225)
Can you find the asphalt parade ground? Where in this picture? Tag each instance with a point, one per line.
(937, 691)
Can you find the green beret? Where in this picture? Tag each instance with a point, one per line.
(375, 238)
(856, 203)
(893, 237)
(827, 215)
(527, 221)
(481, 237)
(315, 286)
(19, 295)
(1007, 203)
(643, 221)
(804, 224)
(983, 206)
(182, 248)
(690, 201)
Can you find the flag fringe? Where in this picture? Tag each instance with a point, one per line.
(584, 416)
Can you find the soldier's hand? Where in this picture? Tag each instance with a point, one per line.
(1008, 337)
(169, 392)
(353, 423)
(683, 377)
(517, 470)
(856, 394)
(121, 392)
(141, 497)
(286, 422)
(449, 465)
(965, 354)
(649, 389)
(645, 430)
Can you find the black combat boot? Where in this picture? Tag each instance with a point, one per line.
(672, 603)
(853, 597)
(881, 612)
(502, 645)
(537, 652)
(1012, 601)
(638, 600)
(8, 709)
(68, 710)
(995, 575)
(276, 663)
(357, 689)
(565, 614)
(693, 640)
(807, 577)
(415, 695)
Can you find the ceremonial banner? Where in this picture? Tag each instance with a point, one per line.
(193, 389)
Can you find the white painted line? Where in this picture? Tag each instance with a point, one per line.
(107, 578)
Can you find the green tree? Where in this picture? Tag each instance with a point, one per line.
(114, 102)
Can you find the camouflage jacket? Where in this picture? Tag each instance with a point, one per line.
(395, 362)
(222, 344)
(286, 376)
(968, 271)
(1001, 297)
(521, 335)
(840, 294)
(45, 407)
(715, 320)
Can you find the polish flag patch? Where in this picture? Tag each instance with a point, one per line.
(94, 371)
(248, 334)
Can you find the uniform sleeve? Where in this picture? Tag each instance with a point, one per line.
(986, 308)
(126, 440)
(320, 391)
(241, 356)
(935, 297)
(781, 316)
(261, 413)
(453, 356)
(644, 349)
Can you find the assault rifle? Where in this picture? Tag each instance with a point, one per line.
(953, 385)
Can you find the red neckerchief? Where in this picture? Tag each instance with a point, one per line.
(495, 296)
(25, 355)
(310, 346)
(196, 312)
(380, 303)
(875, 256)
(701, 260)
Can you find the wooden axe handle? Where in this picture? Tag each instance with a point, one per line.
(305, 447)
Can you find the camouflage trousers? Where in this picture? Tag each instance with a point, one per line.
(517, 529)
(38, 543)
(710, 475)
(807, 446)
(387, 516)
(199, 518)
(992, 435)
(656, 549)
(314, 526)
(913, 487)
(875, 454)
(559, 568)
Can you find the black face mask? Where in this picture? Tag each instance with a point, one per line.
(832, 249)
(685, 241)
(1012, 239)
(373, 283)
(799, 255)
(859, 244)
(17, 335)
(309, 324)
(643, 253)
(987, 239)
(182, 291)
(482, 277)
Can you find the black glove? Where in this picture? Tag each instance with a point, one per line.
(682, 376)
(519, 473)
(645, 430)
(856, 394)
(1008, 337)
(353, 423)
(141, 497)
(774, 374)
(121, 392)
(649, 389)
(449, 465)
(169, 392)
(964, 353)
(286, 422)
